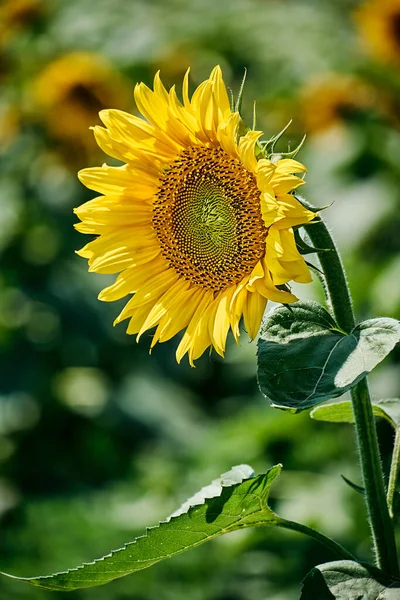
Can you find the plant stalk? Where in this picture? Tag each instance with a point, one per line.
(338, 295)
(394, 472)
(320, 537)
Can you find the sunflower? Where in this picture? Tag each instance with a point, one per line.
(198, 222)
(333, 100)
(379, 23)
(16, 15)
(70, 91)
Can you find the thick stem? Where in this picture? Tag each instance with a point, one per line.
(375, 495)
(380, 521)
(320, 537)
(394, 472)
(336, 288)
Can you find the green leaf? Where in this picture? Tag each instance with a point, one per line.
(342, 412)
(237, 506)
(304, 359)
(348, 580)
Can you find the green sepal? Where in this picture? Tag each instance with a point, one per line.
(305, 248)
(354, 486)
(238, 104)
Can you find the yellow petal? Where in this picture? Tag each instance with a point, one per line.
(292, 212)
(178, 315)
(287, 166)
(253, 311)
(132, 279)
(188, 337)
(163, 304)
(283, 184)
(246, 150)
(265, 173)
(155, 287)
(220, 322)
(116, 181)
(220, 93)
(226, 134)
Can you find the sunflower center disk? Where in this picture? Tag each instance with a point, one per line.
(207, 218)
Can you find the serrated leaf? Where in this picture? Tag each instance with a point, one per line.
(305, 359)
(348, 580)
(238, 506)
(342, 412)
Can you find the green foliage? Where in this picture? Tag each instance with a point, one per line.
(304, 359)
(342, 412)
(238, 506)
(348, 580)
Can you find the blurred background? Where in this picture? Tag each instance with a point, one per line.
(97, 438)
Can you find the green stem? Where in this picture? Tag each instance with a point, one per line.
(394, 472)
(336, 288)
(367, 441)
(320, 537)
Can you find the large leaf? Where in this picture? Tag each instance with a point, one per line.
(236, 506)
(304, 359)
(342, 412)
(348, 580)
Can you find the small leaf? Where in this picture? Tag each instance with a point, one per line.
(348, 580)
(235, 507)
(305, 359)
(342, 412)
(334, 412)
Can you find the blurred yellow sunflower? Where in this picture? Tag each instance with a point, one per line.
(379, 23)
(71, 90)
(198, 225)
(16, 15)
(331, 100)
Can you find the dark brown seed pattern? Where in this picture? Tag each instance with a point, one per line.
(207, 218)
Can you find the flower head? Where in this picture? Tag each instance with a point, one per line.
(197, 222)
(71, 90)
(379, 22)
(334, 100)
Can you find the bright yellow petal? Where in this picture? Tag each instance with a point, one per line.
(163, 304)
(189, 335)
(220, 93)
(287, 166)
(178, 316)
(253, 311)
(116, 181)
(246, 150)
(292, 213)
(283, 184)
(265, 173)
(226, 134)
(220, 322)
(133, 278)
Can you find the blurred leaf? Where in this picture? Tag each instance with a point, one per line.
(342, 412)
(304, 359)
(348, 580)
(237, 506)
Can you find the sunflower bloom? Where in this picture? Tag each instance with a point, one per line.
(198, 226)
(379, 23)
(333, 100)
